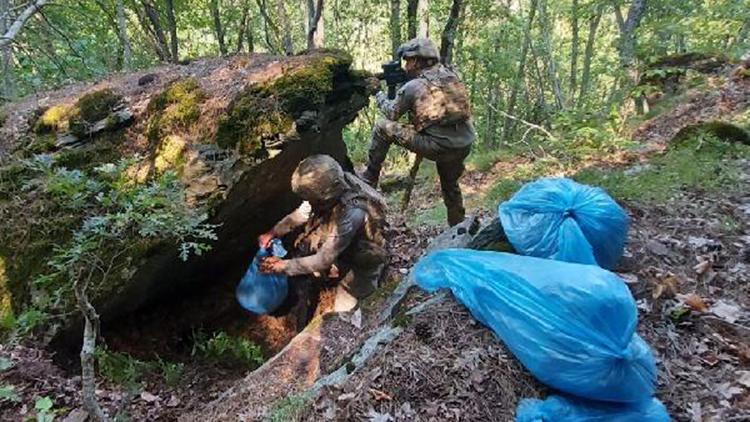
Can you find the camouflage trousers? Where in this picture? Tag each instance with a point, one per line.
(449, 161)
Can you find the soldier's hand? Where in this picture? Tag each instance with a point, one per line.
(272, 265)
(373, 85)
(264, 240)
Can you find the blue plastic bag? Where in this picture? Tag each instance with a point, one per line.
(571, 325)
(570, 409)
(566, 221)
(263, 293)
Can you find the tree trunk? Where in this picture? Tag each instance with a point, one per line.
(7, 90)
(315, 34)
(423, 15)
(626, 44)
(172, 23)
(243, 30)
(627, 31)
(573, 50)
(16, 26)
(395, 26)
(589, 53)
(549, 54)
(286, 28)
(213, 6)
(508, 123)
(161, 40)
(743, 33)
(448, 38)
(411, 18)
(122, 30)
(88, 350)
(269, 28)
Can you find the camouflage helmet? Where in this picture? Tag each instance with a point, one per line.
(419, 47)
(318, 178)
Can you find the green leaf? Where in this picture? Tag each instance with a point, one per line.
(44, 404)
(5, 364)
(8, 392)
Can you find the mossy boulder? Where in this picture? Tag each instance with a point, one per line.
(232, 129)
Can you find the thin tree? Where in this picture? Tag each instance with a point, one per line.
(589, 53)
(213, 6)
(315, 28)
(573, 48)
(286, 28)
(122, 31)
(245, 30)
(270, 29)
(520, 75)
(172, 24)
(17, 25)
(448, 38)
(411, 18)
(7, 90)
(626, 44)
(423, 16)
(153, 22)
(395, 26)
(549, 55)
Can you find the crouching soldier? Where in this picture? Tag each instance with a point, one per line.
(342, 239)
(439, 128)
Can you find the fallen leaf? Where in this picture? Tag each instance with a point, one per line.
(727, 390)
(356, 319)
(148, 397)
(379, 417)
(726, 311)
(174, 401)
(657, 248)
(666, 287)
(380, 395)
(710, 360)
(702, 267)
(694, 301)
(346, 396)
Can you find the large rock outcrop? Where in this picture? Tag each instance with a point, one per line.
(232, 128)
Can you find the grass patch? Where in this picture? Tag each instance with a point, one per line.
(227, 350)
(289, 409)
(701, 161)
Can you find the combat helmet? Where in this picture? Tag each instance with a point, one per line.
(318, 178)
(419, 47)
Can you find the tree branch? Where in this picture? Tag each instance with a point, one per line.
(20, 21)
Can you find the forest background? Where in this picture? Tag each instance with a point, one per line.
(543, 76)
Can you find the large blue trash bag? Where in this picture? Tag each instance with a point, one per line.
(571, 325)
(570, 409)
(263, 293)
(560, 219)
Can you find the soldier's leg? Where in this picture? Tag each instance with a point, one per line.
(450, 171)
(384, 133)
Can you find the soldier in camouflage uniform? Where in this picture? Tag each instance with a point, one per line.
(342, 240)
(439, 128)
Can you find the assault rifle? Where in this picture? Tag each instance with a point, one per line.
(393, 75)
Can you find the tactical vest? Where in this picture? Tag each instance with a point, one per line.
(363, 262)
(440, 100)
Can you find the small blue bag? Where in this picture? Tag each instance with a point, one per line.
(571, 325)
(560, 219)
(263, 293)
(570, 409)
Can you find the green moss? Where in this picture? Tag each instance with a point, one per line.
(290, 408)
(177, 107)
(91, 108)
(251, 117)
(170, 154)
(53, 119)
(270, 109)
(92, 154)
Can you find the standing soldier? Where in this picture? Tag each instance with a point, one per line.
(439, 128)
(342, 240)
